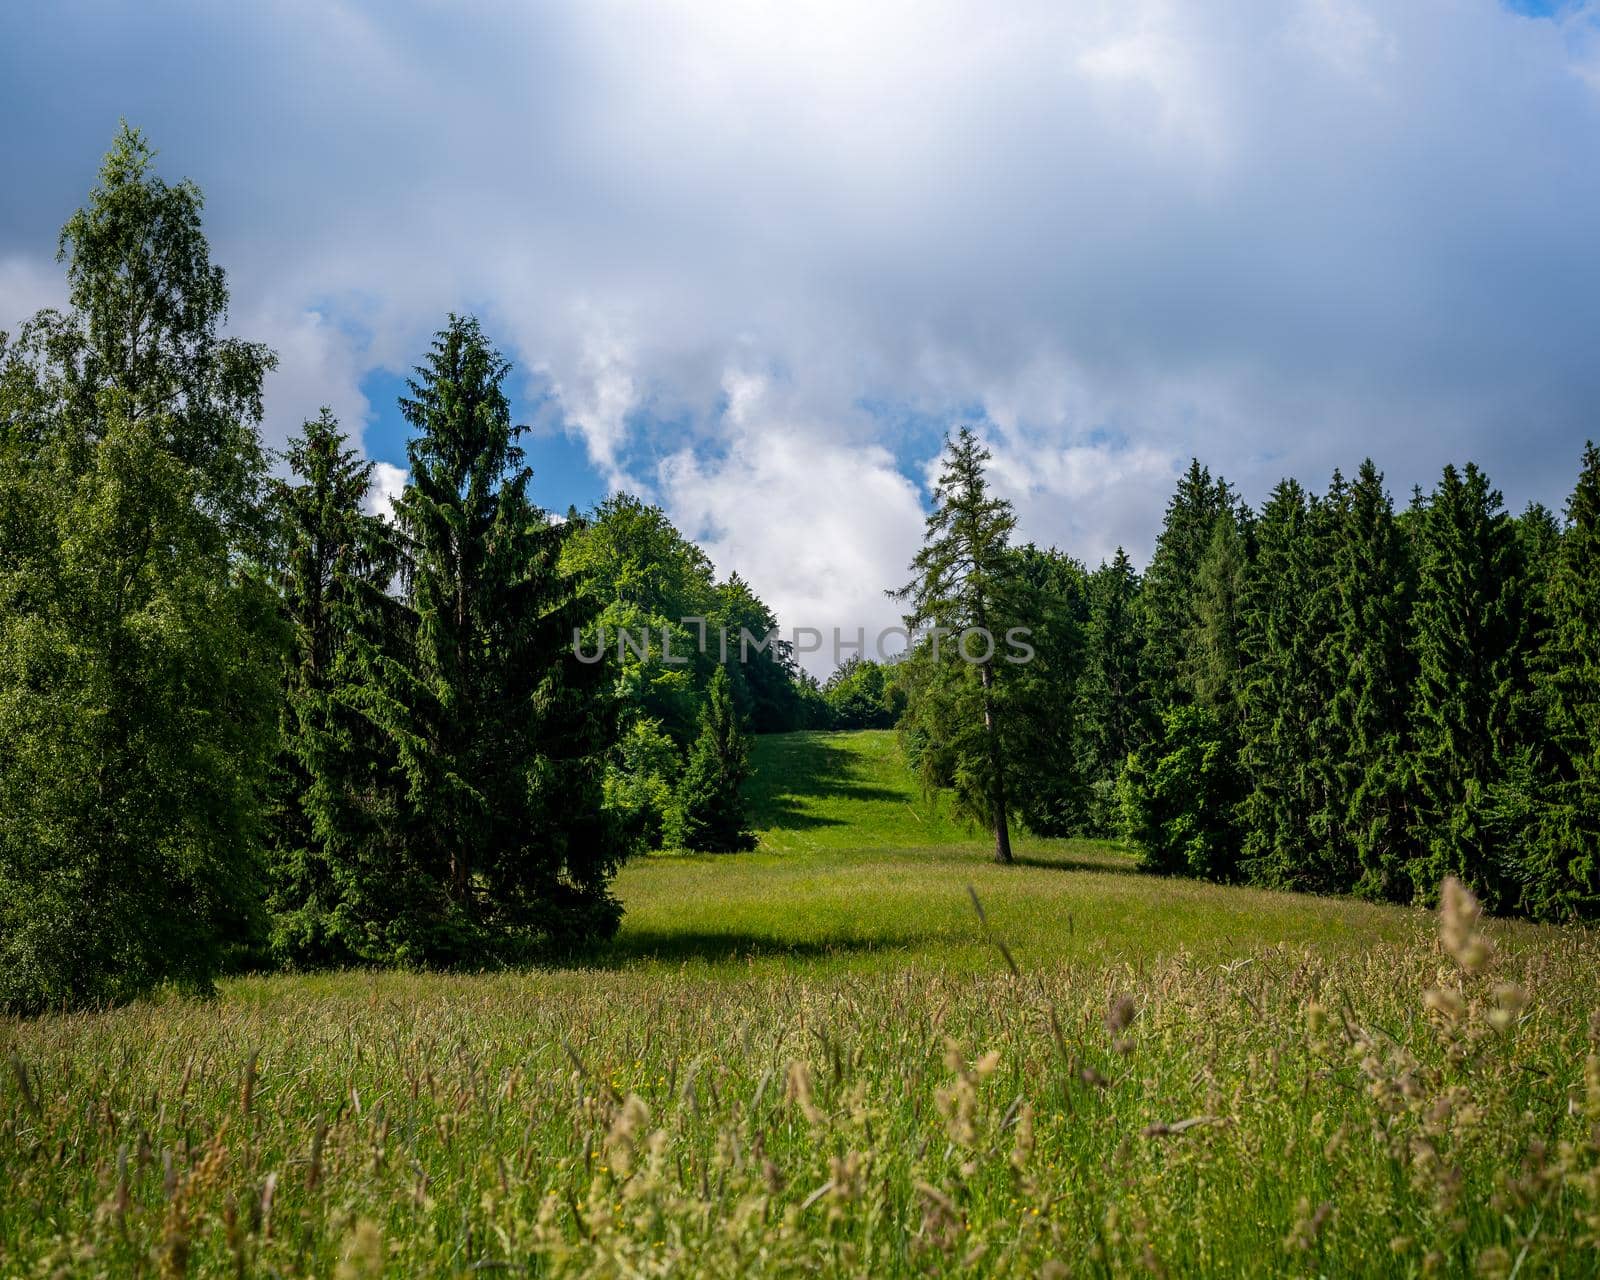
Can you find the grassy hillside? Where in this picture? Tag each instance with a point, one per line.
(810, 1060)
(857, 869)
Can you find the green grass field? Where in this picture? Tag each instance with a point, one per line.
(813, 1059)
(856, 870)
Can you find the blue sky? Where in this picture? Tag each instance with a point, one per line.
(563, 476)
(752, 260)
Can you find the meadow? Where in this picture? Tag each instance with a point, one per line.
(820, 1058)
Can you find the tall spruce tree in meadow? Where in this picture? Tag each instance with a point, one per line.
(1559, 867)
(709, 815)
(139, 646)
(500, 729)
(1470, 628)
(336, 777)
(963, 583)
(1171, 582)
(1374, 672)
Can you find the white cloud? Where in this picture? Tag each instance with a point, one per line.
(821, 528)
(1119, 232)
(318, 365)
(28, 285)
(388, 483)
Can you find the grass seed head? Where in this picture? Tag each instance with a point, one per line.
(1458, 926)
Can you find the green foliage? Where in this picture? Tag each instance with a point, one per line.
(1286, 739)
(1041, 735)
(1178, 797)
(1559, 870)
(861, 694)
(332, 803)
(709, 816)
(645, 577)
(1112, 704)
(670, 626)
(965, 589)
(1374, 672)
(1171, 583)
(1399, 697)
(769, 689)
(640, 783)
(138, 644)
(648, 580)
(501, 843)
(1213, 660)
(1116, 711)
(1471, 637)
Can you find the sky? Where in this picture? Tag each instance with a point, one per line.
(753, 260)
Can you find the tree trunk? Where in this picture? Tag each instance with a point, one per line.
(997, 782)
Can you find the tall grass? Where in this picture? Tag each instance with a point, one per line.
(819, 1060)
(1418, 1108)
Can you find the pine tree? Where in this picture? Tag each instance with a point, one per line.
(710, 813)
(1559, 870)
(1116, 715)
(139, 648)
(1212, 671)
(499, 728)
(334, 776)
(1170, 583)
(961, 585)
(1039, 700)
(1470, 636)
(1179, 795)
(1374, 674)
(1285, 735)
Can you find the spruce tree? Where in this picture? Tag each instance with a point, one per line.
(1559, 867)
(1179, 797)
(1212, 661)
(1116, 711)
(499, 728)
(334, 778)
(1171, 582)
(1286, 742)
(139, 646)
(962, 585)
(1470, 627)
(1039, 700)
(1374, 674)
(710, 813)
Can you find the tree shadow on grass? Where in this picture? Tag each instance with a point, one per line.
(1110, 863)
(678, 947)
(805, 766)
